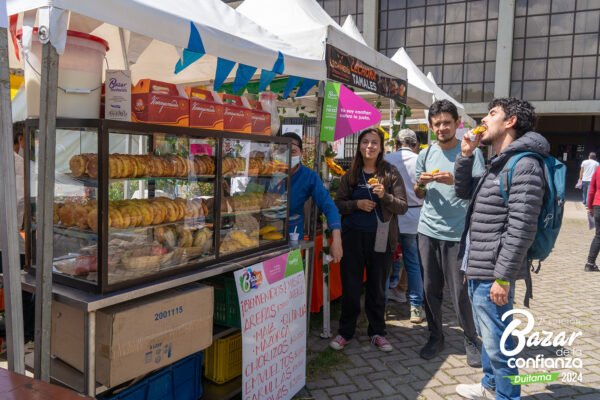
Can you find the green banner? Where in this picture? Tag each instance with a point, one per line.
(532, 378)
(329, 116)
(294, 263)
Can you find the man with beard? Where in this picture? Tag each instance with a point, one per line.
(499, 234)
(440, 228)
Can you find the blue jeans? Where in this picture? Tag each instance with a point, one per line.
(584, 187)
(490, 327)
(410, 257)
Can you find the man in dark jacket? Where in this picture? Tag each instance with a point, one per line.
(498, 235)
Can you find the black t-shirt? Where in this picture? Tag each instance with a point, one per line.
(361, 220)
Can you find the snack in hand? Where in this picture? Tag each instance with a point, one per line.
(435, 171)
(373, 181)
(479, 130)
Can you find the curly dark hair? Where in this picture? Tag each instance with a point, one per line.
(442, 106)
(522, 109)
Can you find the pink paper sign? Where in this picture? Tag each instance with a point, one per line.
(354, 114)
(274, 268)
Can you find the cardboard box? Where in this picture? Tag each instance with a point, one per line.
(159, 103)
(206, 109)
(237, 117)
(261, 120)
(137, 337)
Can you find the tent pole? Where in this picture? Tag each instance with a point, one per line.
(8, 220)
(319, 150)
(45, 205)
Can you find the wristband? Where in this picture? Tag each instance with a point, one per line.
(502, 283)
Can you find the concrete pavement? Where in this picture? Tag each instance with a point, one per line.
(565, 299)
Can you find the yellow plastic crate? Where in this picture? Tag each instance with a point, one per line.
(223, 360)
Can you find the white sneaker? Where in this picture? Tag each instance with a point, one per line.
(397, 295)
(417, 315)
(475, 391)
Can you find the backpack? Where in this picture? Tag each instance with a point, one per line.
(551, 213)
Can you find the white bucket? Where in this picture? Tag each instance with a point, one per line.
(79, 76)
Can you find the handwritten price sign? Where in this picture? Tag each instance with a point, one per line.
(273, 310)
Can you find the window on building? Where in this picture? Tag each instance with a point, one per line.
(555, 50)
(338, 10)
(454, 40)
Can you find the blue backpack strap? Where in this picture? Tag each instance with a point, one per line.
(506, 174)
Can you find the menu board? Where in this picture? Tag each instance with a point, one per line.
(272, 297)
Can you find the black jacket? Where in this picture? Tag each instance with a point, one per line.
(500, 234)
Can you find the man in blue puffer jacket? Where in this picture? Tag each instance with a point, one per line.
(498, 235)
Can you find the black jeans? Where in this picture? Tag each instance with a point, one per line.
(595, 246)
(358, 253)
(439, 261)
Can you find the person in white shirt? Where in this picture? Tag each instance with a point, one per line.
(405, 160)
(588, 167)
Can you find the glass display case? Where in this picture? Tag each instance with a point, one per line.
(138, 202)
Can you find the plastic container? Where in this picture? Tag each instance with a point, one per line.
(224, 359)
(180, 381)
(79, 76)
(227, 308)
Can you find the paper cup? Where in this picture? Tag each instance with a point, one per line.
(294, 237)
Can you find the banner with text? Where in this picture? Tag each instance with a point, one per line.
(273, 309)
(344, 68)
(345, 113)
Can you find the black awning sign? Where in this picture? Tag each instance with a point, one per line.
(344, 68)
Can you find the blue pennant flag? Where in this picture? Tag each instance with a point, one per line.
(291, 84)
(265, 78)
(305, 86)
(242, 76)
(193, 52)
(187, 59)
(195, 41)
(279, 65)
(224, 67)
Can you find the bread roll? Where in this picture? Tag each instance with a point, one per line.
(159, 213)
(67, 214)
(78, 164)
(91, 168)
(80, 214)
(92, 219)
(135, 216)
(147, 213)
(115, 219)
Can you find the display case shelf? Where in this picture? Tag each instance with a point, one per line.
(90, 182)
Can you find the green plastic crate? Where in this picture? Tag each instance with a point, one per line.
(227, 308)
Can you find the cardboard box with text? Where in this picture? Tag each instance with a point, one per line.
(139, 336)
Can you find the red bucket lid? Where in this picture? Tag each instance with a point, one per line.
(76, 34)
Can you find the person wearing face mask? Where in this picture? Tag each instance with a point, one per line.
(306, 183)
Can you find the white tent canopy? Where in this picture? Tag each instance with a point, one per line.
(350, 29)
(307, 27)
(155, 32)
(419, 85)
